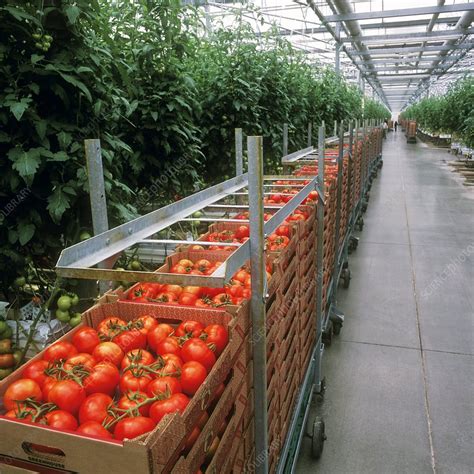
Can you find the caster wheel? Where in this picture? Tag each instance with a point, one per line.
(337, 329)
(345, 278)
(318, 437)
(327, 335)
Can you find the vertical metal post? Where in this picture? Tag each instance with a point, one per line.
(257, 303)
(239, 162)
(285, 139)
(337, 65)
(95, 172)
(349, 170)
(340, 157)
(310, 130)
(335, 129)
(319, 255)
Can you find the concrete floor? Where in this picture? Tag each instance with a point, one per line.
(400, 377)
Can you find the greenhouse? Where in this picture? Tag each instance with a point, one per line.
(236, 236)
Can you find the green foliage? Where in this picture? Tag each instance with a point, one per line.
(452, 113)
(375, 110)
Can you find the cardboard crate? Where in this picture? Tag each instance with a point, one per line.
(142, 453)
(192, 461)
(289, 292)
(219, 463)
(307, 265)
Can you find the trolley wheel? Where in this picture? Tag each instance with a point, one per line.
(336, 329)
(318, 438)
(327, 334)
(345, 278)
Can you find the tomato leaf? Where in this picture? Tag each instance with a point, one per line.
(58, 203)
(25, 232)
(19, 108)
(25, 162)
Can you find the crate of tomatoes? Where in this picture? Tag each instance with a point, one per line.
(131, 388)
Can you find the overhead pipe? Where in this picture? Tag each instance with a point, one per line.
(344, 7)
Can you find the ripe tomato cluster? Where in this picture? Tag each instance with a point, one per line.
(119, 380)
(235, 292)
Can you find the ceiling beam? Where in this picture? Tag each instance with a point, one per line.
(409, 37)
(407, 23)
(459, 7)
(414, 49)
(399, 60)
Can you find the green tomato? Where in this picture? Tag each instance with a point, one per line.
(198, 214)
(39, 45)
(74, 300)
(19, 282)
(84, 236)
(3, 326)
(136, 265)
(64, 303)
(5, 373)
(48, 38)
(62, 316)
(75, 320)
(36, 36)
(17, 356)
(7, 333)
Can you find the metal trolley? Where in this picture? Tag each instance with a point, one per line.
(329, 318)
(94, 259)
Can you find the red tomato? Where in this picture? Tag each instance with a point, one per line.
(196, 349)
(193, 375)
(130, 340)
(242, 231)
(276, 198)
(137, 357)
(158, 334)
(24, 413)
(186, 263)
(35, 371)
(59, 351)
(132, 427)
(80, 360)
(235, 290)
(247, 293)
(20, 390)
(67, 395)
(169, 345)
(217, 335)
(61, 420)
(167, 297)
(47, 386)
(85, 339)
(176, 289)
(130, 400)
(192, 438)
(110, 327)
(109, 352)
(203, 303)
(176, 403)
(103, 378)
(179, 269)
(146, 323)
(222, 299)
(130, 382)
(241, 275)
(94, 408)
(202, 265)
(210, 292)
(187, 328)
(193, 290)
(187, 299)
(283, 230)
(172, 363)
(143, 290)
(163, 386)
(93, 428)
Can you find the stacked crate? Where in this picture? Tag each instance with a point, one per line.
(345, 211)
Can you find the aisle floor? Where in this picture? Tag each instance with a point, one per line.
(400, 377)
